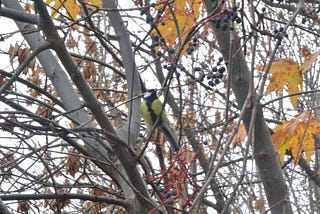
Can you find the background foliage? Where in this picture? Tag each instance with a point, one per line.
(72, 75)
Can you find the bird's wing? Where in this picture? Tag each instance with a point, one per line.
(171, 136)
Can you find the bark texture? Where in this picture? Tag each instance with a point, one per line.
(264, 153)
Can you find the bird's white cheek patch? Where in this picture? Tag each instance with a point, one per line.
(147, 94)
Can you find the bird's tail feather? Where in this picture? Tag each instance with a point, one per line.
(171, 136)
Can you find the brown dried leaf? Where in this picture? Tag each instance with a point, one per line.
(22, 54)
(23, 207)
(90, 71)
(138, 3)
(28, 7)
(71, 42)
(305, 52)
(91, 46)
(73, 164)
(309, 61)
(213, 96)
(44, 111)
(188, 118)
(240, 136)
(13, 52)
(259, 205)
(217, 116)
(2, 79)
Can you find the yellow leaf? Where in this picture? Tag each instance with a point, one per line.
(285, 72)
(296, 136)
(71, 7)
(97, 3)
(56, 6)
(178, 21)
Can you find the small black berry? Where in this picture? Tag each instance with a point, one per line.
(168, 195)
(190, 50)
(222, 69)
(224, 26)
(149, 19)
(235, 7)
(156, 37)
(171, 50)
(143, 11)
(214, 69)
(205, 142)
(197, 69)
(225, 19)
(202, 77)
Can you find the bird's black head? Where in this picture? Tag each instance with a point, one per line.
(150, 95)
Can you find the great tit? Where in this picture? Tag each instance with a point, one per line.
(151, 107)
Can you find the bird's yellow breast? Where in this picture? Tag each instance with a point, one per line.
(151, 111)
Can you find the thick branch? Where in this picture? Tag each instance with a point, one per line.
(264, 152)
(19, 15)
(3, 208)
(126, 158)
(64, 196)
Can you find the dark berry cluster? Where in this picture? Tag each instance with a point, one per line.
(280, 34)
(216, 74)
(262, 13)
(192, 46)
(225, 18)
(155, 41)
(166, 194)
(149, 18)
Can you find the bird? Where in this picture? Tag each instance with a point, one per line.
(151, 108)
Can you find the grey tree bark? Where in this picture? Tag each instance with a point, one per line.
(264, 153)
(121, 165)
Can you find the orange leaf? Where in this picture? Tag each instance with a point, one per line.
(71, 7)
(296, 136)
(240, 136)
(179, 21)
(285, 72)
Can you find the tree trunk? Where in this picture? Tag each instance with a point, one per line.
(264, 153)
